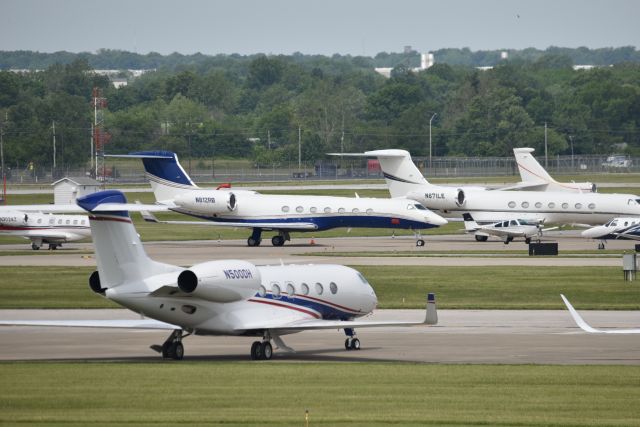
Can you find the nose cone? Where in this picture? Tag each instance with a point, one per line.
(435, 219)
(594, 232)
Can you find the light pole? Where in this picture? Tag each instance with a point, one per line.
(430, 120)
(571, 141)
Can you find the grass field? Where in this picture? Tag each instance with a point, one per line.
(353, 394)
(396, 287)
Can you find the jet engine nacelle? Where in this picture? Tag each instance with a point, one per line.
(207, 201)
(14, 218)
(221, 281)
(440, 198)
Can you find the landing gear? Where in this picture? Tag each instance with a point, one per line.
(35, 246)
(527, 240)
(601, 245)
(172, 348)
(53, 246)
(508, 240)
(481, 238)
(256, 237)
(420, 242)
(351, 343)
(279, 239)
(262, 350)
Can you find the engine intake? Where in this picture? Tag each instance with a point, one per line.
(220, 281)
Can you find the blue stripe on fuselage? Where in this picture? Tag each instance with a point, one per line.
(329, 222)
(326, 311)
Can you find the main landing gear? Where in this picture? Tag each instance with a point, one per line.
(172, 348)
(601, 245)
(351, 343)
(262, 350)
(256, 237)
(481, 238)
(419, 239)
(278, 240)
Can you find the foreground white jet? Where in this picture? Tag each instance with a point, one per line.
(231, 297)
(50, 229)
(587, 328)
(506, 230)
(535, 178)
(622, 228)
(174, 189)
(551, 207)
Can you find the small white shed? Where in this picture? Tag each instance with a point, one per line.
(68, 189)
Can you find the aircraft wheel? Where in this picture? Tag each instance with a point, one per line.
(355, 344)
(277, 240)
(53, 247)
(177, 350)
(481, 238)
(256, 350)
(35, 247)
(527, 240)
(253, 242)
(600, 245)
(267, 350)
(420, 242)
(167, 351)
(347, 344)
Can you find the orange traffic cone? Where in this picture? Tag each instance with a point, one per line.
(312, 241)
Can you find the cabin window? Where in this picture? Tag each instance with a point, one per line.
(68, 222)
(552, 205)
(291, 290)
(319, 288)
(512, 205)
(304, 289)
(565, 205)
(625, 223)
(333, 288)
(327, 210)
(285, 209)
(525, 204)
(299, 209)
(538, 205)
(341, 210)
(262, 291)
(275, 290)
(355, 210)
(513, 223)
(499, 225)
(52, 221)
(59, 222)
(75, 222)
(369, 211)
(592, 206)
(82, 222)
(39, 220)
(313, 209)
(578, 205)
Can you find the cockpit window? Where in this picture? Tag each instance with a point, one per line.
(410, 207)
(614, 223)
(363, 279)
(420, 207)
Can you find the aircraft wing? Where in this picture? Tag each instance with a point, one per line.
(105, 207)
(587, 328)
(431, 318)
(246, 224)
(122, 324)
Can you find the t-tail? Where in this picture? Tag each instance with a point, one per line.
(164, 172)
(470, 224)
(401, 174)
(120, 256)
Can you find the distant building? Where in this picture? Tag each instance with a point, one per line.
(68, 189)
(426, 61)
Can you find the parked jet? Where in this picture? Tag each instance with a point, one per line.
(552, 207)
(50, 229)
(621, 228)
(535, 177)
(506, 230)
(174, 189)
(587, 328)
(230, 297)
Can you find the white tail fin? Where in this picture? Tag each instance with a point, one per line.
(530, 170)
(469, 223)
(120, 256)
(401, 173)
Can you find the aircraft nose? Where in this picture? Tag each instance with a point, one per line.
(436, 219)
(593, 233)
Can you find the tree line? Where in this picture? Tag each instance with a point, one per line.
(262, 107)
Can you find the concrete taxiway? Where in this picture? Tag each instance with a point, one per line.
(462, 336)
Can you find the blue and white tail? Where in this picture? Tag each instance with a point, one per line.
(120, 256)
(165, 174)
(400, 172)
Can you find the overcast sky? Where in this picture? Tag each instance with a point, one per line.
(314, 27)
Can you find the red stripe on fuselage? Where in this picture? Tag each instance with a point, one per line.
(322, 301)
(261, 301)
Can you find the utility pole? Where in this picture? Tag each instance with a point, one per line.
(546, 157)
(53, 127)
(432, 117)
(269, 139)
(299, 148)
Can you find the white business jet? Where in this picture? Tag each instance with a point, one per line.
(174, 189)
(535, 178)
(551, 207)
(620, 228)
(230, 297)
(587, 328)
(506, 230)
(50, 229)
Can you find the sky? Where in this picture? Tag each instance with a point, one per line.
(357, 27)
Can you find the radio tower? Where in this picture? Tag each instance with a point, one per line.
(100, 136)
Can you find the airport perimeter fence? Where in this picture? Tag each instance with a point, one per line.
(206, 170)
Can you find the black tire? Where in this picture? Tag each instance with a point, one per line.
(420, 242)
(527, 240)
(256, 350)
(35, 247)
(177, 350)
(355, 344)
(266, 350)
(481, 238)
(347, 344)
(253, 242)
(277, 241)
(168, 351)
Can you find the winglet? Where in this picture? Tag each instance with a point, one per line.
(577, 318)
(432, 311)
